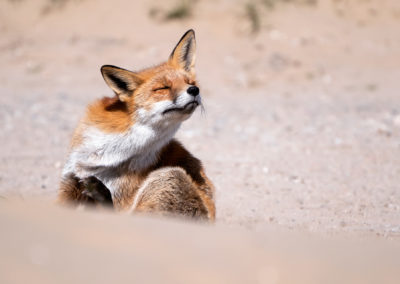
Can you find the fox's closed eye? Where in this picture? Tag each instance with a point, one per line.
(162, 88)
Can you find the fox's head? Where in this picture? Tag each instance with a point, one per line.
(167, 93)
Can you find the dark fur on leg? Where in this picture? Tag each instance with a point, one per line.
(97, 191)
(89, 191)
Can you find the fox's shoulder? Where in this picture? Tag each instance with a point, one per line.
(175, 154)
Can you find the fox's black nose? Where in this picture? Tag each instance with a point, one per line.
(193, 90)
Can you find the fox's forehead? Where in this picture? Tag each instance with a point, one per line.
(169, 76)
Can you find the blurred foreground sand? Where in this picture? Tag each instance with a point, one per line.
(46, 244)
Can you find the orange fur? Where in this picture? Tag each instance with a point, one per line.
(110, 115)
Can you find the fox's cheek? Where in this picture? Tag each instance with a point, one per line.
(153, 107)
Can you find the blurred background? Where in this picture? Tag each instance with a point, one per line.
(302, 122)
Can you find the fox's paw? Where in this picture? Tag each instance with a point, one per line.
(95, 190)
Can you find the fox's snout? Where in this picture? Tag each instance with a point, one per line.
(184, 104)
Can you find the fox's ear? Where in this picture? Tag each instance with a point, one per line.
(121, 81)
(183, 55)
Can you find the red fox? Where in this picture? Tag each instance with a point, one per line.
(123, 152)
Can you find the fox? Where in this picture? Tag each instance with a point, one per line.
(123, 152)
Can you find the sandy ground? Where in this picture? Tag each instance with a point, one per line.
(302, 122)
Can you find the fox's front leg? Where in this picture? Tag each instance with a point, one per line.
(96, 190)
(87, 191)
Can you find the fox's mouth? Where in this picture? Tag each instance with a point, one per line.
(188, 108)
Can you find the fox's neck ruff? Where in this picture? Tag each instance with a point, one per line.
(138, 149)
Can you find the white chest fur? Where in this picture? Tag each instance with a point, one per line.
(102, 153)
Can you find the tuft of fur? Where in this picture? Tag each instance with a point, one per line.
(123, 149)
